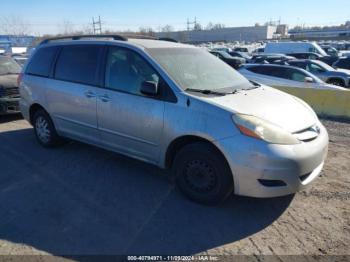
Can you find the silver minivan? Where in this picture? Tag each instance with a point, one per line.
(175, 106)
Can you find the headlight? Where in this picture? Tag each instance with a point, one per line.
(261, 129)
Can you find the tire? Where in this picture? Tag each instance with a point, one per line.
(202, 174)
(44, 130)
(336, 82)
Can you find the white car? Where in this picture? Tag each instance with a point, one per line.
(283, 76)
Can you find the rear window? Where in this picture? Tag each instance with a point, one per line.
(40, 64)
(79, 64)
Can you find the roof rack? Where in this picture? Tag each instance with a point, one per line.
(123, 37)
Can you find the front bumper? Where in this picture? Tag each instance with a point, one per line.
(9, 105)
(268, 170)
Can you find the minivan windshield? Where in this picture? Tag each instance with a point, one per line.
(194, 68)
(8, 66)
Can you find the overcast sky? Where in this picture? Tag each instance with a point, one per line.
(48, 16)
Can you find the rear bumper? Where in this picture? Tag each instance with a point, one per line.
(265, 170)
(9, 105)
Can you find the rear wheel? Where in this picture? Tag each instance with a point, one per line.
(336, 82)
(203, 174)
(44, 129)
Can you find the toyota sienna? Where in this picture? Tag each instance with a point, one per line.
(175, 106)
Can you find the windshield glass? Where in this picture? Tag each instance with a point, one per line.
(8, 66)
(193, 68)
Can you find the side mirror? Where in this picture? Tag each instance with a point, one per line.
(308, 79)
(149, 88)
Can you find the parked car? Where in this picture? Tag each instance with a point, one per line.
(222, 49)
(306, 55)
(294, 47)
(325, 72)
(20, 59)
(331, 51)
(243, 55)
(314, 56)
(270, 58)
(244, 49)
(9, 92)
(283, 76)
(175, 106)
(259, 50)
(344, 54)
(234, 62)
(343, 62)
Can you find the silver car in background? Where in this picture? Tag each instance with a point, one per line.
(284, 76)
(175, 106)
(338, 77)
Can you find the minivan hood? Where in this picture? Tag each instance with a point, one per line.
(270, 104)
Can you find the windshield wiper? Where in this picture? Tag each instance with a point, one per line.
(209, 92)
(255, 84)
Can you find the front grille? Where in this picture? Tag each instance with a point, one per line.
(11, 91)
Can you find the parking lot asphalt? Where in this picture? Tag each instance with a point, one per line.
(80, 200)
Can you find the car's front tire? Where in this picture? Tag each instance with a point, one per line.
(44, 130)
(203, 174)
(336, 82)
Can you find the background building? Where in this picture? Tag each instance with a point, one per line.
(331, 33)
(9, 41)
(248, 34)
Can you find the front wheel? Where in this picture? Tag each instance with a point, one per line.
(336, 82)
(203, 174)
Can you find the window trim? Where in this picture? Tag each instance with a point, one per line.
(166, 94)
(52, 64)
(98, 70)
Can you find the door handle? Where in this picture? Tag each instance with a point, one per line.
(105, 98)
(90, 94)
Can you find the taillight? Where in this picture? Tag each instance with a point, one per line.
(19, 78)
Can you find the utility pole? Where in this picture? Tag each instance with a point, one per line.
(97, 25)
(191, 24)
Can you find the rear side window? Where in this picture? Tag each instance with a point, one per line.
(295, 75)
(264, 70)
(258, 70)
(269, 70)
(298, 64)
(40, 64)
(79, 64)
